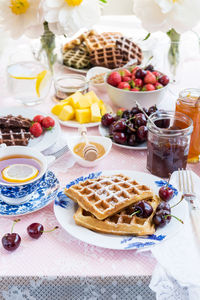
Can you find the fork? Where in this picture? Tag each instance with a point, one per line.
(60, 152)
(186, 186)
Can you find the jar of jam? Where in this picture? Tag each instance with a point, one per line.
(168, 142)
(189, 104)
(68, 84)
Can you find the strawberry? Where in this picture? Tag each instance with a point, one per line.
(123, 86)
(150, 78)
(157, 74)
(138, 82)
(114, 78)
(134, 70)
(48, 123)
(126, 78)
(136, 89)
(158, 85)
(125, 72)
(38, 119)
(133, 77)
(36, 129)
(148, 87)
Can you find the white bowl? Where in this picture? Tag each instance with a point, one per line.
(105, 142)
(95, 71)
(126, 99)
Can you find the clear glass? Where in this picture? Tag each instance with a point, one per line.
(66, 85)
(168, 145)
(189, 104)
(28, 81)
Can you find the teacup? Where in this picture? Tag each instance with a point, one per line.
(18, 193)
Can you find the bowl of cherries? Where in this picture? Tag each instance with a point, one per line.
(145, 85)
(127, 128)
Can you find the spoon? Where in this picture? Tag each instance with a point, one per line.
(89, 151)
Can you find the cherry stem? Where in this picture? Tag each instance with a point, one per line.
(169, 179)
(14, 222)
(45, 231)
(135, 212)
(173, 217)
(177, 202)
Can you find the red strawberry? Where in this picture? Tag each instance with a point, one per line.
(158, 85)
(134, 70)
(114, 78)
(38, 118)
(150, 78)
(36, 129)
(138, 82)
(157, 74)
(133, 76)
(148, 87)
(125, 72)
(126, 78)
(48, 123)
(124, 86)
(136, 89)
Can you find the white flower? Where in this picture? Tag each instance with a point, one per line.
(16, 16)
(69, 16)
(182, 15)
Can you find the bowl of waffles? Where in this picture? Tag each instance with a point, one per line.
(108, 49)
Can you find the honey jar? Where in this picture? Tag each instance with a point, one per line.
(189, 104)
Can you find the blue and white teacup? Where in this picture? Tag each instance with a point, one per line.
(18, 193)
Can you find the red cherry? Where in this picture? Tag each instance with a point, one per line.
(164, 80)
(114, 78)
(11, 241)
(166, 193)
(35, 230)
(38, 118)
(48, 123)
(36, 129)
(107, 120)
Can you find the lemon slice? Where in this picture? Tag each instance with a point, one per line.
(41, 81)
(19, 173)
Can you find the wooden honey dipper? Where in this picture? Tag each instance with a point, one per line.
(89, 151)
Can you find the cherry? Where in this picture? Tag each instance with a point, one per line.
(166, 193)
(11, 241)
(119, 138)
(132, 141)
(142, 133)
(35, 230)
(161, 218)
(152, 109)
(126, 114)
(164, 80)
(149, 68)
(143, 209)
(140, 73)
(164, 206)
(107, 120)
(111, 128)
(120, 126)
(140, 120)
(135, 110)
(130, 127)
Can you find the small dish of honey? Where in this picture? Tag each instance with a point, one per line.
(76, 145)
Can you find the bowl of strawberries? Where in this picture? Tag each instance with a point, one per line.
(144, 85)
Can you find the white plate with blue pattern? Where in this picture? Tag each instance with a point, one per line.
(45, 194)
(65, 208)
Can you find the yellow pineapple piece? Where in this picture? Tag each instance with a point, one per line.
(74, 99)
(67, 113)
(83, 115)
(56, 110)
(84, 102)
(95, 113)
(92, 96)
(103, 110)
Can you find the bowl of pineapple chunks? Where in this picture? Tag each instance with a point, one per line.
(80, 109)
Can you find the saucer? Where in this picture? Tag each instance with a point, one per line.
(45, 194)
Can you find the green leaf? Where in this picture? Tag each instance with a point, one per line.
(104, 1)
(147, 36)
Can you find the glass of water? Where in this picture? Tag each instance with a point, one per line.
(29, 81)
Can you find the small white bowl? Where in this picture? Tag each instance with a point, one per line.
(105, 142)
(96, 71)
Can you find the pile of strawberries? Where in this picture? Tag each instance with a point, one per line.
(40, 124)
(138, 79)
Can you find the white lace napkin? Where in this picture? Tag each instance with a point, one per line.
(177, 275)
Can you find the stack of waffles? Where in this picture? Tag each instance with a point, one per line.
(108, 49)
(107, 205)
(14, 130)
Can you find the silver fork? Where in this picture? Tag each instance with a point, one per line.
(186, 186)
(60, 152)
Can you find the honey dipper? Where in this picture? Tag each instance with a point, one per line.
(89, 151)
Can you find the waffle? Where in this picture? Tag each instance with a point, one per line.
(11, 121)
(106, 39)
(77, 58)
(122, 223)
(106, 195)
(107, 57)
(79, 40)
(15, 136)
(129, 50)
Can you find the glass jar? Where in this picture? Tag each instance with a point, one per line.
(189, 104)
(67, 85)
(168, 142)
